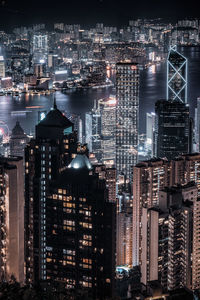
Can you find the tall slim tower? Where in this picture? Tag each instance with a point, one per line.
(2, 67)
(176, 76)
(196, 243)
(150, 133)
(127, 85)
(108, 125)
(197, 125)
(18, 140)
(12, 218)
(173, 129)
(93, 131)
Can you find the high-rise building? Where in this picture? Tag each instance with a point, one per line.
(40, 48)
(93, 131)
(197, 125)
(176, 203)
(163, 237)
(150, 133)
(100, 125)
(127, 109)
(108, 128)
(173, 187)
(12, 218)
(80, 231)
(124, 227)
(109, 175)
(2, 67)
(52, 61)
(18, 141)
(124, 238)
(196, 243)
(184, 169)
(149, 245)
(173, 129)
(167, 238)
(53, 148)
(39, 69)
(176, 76)
(148, 178)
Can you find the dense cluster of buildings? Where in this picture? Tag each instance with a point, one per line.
(79, 207)
(70, 56)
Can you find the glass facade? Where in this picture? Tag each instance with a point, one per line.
(127, 85)
(176, 76)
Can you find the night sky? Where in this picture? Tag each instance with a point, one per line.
(88, 12)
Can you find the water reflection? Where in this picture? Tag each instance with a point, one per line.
(152, 88)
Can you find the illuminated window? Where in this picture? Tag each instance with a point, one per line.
(82, 199)
(87, 237)
(65, 204)
(85, 243)
(69, 222)
(87, 261)
(85, 225)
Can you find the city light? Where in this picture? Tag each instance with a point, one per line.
(99, 152)
(42, 116)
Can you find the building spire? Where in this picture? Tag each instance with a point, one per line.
(54, 102)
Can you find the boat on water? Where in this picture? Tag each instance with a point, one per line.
(19, 113)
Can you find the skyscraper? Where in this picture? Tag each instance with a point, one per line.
(18, 141)
(100, 125)
(109, 175)
(108, 128)
(40, 48)
(148, 178)
(46, 156)
(127, 109)
(80, 231)
(12, 218)
(93, 131)
(150, 133)
(149, 245)
(197, 125)
(69, 212)
(2, 67)
(124, 230)
(196, 243)
(173, 129)
(173, 187)
(177, 203)
(176, 76)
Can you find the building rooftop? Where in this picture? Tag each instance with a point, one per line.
(18, 130)
(126, 63)
(175, 57)
(81, 161)
(55, 118)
